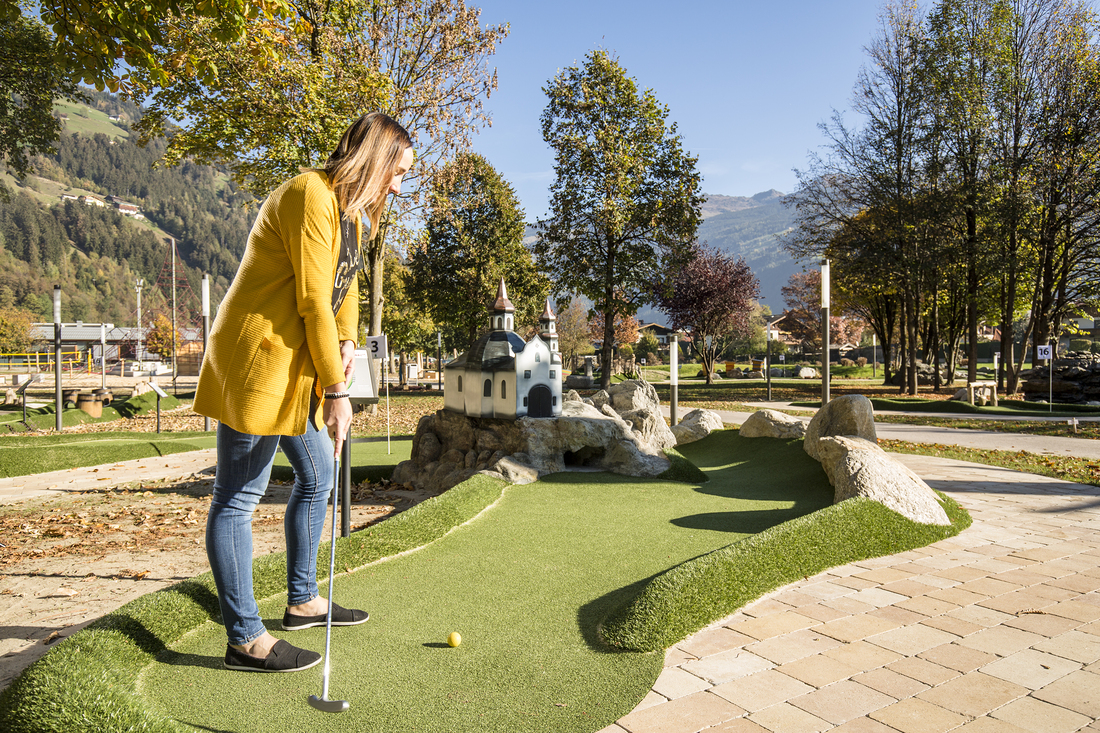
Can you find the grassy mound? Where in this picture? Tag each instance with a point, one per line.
(529, 585)
(701, 591)
(88, 682)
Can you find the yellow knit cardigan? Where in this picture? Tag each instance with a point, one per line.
(275, 338)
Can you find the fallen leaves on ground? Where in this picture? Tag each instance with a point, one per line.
(1066, 468)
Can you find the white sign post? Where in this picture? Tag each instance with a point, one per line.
(1043, 351)
(673, 375)
(377, 348)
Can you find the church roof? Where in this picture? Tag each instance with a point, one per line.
(502, 304)
(547, 314)
(494, 351)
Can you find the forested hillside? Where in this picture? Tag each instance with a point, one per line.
(94, 252)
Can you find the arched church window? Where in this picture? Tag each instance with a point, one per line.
(460, 384)
(503, 390)
(488, 388)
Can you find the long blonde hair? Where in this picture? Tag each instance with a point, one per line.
(363, 164)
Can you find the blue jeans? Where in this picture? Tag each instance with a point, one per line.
(244, 468)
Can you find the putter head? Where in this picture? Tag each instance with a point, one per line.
(329, 706)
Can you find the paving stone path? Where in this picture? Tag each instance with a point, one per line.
(997, 629)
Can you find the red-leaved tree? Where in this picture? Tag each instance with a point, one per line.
(802, 295)
(712, 297)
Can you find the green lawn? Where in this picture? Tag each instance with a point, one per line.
(527, 583)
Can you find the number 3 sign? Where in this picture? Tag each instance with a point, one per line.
(376, 346)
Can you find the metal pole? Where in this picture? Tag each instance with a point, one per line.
(345, 489)
(174, 359)
(57, 354)
(103, 356)
(439, 359)
(824, 332)
(205, 328)
(674, 375)
(1050, 368)
(138, 284)
(874, 355)
(768, 357)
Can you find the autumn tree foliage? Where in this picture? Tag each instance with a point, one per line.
(574, 336)
(802, 295)
(159, 339)
(15, 330)
(712, 297)
(625, 330)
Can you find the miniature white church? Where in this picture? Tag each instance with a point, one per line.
(501, 375)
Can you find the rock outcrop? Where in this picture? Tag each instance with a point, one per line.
(858, 467)
(847, 415)
(1076, 379)
(450, 447)
(696, 425)
(773, 424)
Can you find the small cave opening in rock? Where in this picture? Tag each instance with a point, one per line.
(589, 455)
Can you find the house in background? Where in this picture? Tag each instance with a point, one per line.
(503, 376)
(663, 334)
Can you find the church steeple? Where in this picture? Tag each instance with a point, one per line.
(501, 310)
(548, 327)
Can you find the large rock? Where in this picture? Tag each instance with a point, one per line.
(633, 394)
(847, 415)
(696, 425)
(858, 467)
(1076, 379)
(773, 424)
(585, 436)
(649, 424)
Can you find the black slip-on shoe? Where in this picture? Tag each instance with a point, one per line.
(340, 617)
(283, 657)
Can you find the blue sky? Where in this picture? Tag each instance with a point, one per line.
(747, 82)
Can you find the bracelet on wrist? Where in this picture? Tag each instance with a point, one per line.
(336, 395)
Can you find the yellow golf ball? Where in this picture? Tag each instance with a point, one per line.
(454, 639)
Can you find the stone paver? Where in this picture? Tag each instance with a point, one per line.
(996, 630)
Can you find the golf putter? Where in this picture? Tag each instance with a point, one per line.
(322, 703)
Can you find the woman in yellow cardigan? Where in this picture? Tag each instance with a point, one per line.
(275, 375)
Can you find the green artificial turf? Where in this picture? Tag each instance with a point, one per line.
(527, 584)
(1004, 408)
(45, 418)
(27, 455)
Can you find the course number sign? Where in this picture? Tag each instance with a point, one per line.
(376, 346)
(1042, 352)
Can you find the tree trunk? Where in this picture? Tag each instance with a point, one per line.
(608, 346)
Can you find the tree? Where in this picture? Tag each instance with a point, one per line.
(625, 331)
(159, 338)
(802, 296)
(15, 330)
(93, 36)
(30, 84)
(474, 238)
(712, 296)
(291, 82)
(573, 334)
(625, 202)
(406, 320)
(648, 347)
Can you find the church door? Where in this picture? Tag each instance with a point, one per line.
(538, 402)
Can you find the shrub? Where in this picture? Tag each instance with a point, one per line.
(1079, 345)
(626, 351)
(862, 361)
(847, 362)
(1095, 348)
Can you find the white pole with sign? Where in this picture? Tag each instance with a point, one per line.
(674, 375)
(377, 347)
(1043, 351)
